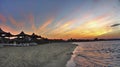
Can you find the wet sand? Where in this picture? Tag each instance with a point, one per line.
(44, 55)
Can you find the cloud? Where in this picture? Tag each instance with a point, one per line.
(17, 24)
(2, 18)
(32, 22)
(44, 29)
(59, 32)
(114, 25)
(8, 28)
(82, 28)
(111, 34)
(91, 28)
(48, 22)
(4, 25)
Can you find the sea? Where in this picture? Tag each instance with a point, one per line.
(95, 54)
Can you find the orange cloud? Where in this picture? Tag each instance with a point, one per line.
(90, 29)
(43, 27)
(85, 27)
(8, 29)
(97, 20)
(32, 22)
(60, 30)
(15, 23)
(2, 18)
(4, 26)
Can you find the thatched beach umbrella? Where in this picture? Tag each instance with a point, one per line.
(34, 36)
(2, 36)
(9, 35)
(22, 37)
(2, 33)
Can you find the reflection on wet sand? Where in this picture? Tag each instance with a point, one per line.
(96, 54)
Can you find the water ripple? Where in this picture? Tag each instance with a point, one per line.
(96, 54)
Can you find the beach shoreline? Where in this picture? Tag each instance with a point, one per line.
(45, 55)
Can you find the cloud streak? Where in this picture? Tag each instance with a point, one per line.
(8, 28)
(4, 25)
(17, 24)
(32, 22)
(115, 25)
(2, 19)
(45, 24)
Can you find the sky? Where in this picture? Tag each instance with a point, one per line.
(62, 19)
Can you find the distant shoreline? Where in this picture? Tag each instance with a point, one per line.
(89, 40)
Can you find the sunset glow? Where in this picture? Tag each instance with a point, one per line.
(61, 19)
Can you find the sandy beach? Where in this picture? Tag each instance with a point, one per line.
(44, 55)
